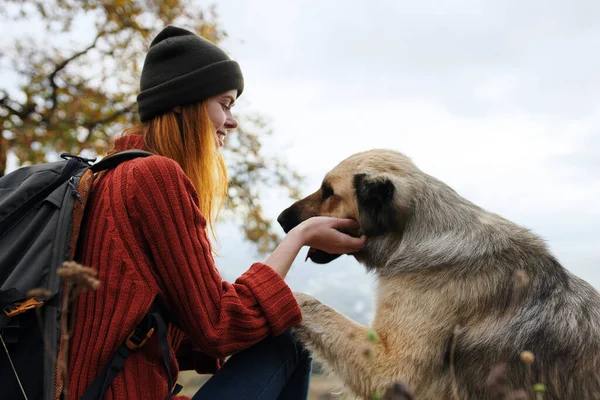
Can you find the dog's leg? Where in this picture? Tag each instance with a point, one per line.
(355, 353)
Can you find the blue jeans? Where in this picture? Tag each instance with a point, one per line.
(277, 368)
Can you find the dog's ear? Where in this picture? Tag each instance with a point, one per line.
(377, 211)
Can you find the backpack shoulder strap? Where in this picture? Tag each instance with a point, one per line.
(84, 185)
(81, 189)
(117, 158)
(153, 321)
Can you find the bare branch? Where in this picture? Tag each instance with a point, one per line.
(3, 154)
(4, 103)
(63, 64)
(52, 120)
(25, 110)
(91, 124)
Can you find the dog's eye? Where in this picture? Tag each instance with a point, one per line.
(327, 191)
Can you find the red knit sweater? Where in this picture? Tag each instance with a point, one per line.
(144, 233)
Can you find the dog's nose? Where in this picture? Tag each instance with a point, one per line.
(288, 219)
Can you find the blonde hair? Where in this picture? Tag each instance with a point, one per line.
(187, 136)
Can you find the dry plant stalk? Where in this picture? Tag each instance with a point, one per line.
(81, 278)
(457, 331)
(398, 391)
(497, 381)
(521, 282)
(77, 279)
(41, 293)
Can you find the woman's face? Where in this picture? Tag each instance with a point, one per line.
(219, 111)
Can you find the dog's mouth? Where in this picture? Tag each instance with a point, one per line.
(320, 256)
(290, 218)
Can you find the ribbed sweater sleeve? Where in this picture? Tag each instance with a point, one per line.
(220, 318)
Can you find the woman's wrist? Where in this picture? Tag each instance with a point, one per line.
(284, 255)
(300, 233)
(296, 238)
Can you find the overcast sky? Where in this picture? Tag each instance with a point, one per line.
(499, 99)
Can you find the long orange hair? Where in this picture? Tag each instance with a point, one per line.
(187, 136)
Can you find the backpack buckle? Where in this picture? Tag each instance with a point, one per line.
(67, 156)
(138, 338)
(20, 308)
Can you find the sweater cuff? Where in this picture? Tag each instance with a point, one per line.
(274, 296)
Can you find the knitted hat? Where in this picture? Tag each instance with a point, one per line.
(183, 68)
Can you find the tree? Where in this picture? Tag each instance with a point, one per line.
(77, 100)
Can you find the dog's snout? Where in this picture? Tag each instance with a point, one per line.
(288, 219)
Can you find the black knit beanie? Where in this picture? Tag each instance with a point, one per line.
(183, 68)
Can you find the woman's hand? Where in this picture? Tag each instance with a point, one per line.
(322, 233)
(326, 234)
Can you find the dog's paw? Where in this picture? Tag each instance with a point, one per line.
(299, 332)
(305, 300)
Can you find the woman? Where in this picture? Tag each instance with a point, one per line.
(146, 234)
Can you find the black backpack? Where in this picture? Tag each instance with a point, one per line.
(41, 209)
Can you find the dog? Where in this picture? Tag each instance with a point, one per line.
(461, 292)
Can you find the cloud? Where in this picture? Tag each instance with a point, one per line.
(426, 49)
(497, 99)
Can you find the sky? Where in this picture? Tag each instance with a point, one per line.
(500, 100)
